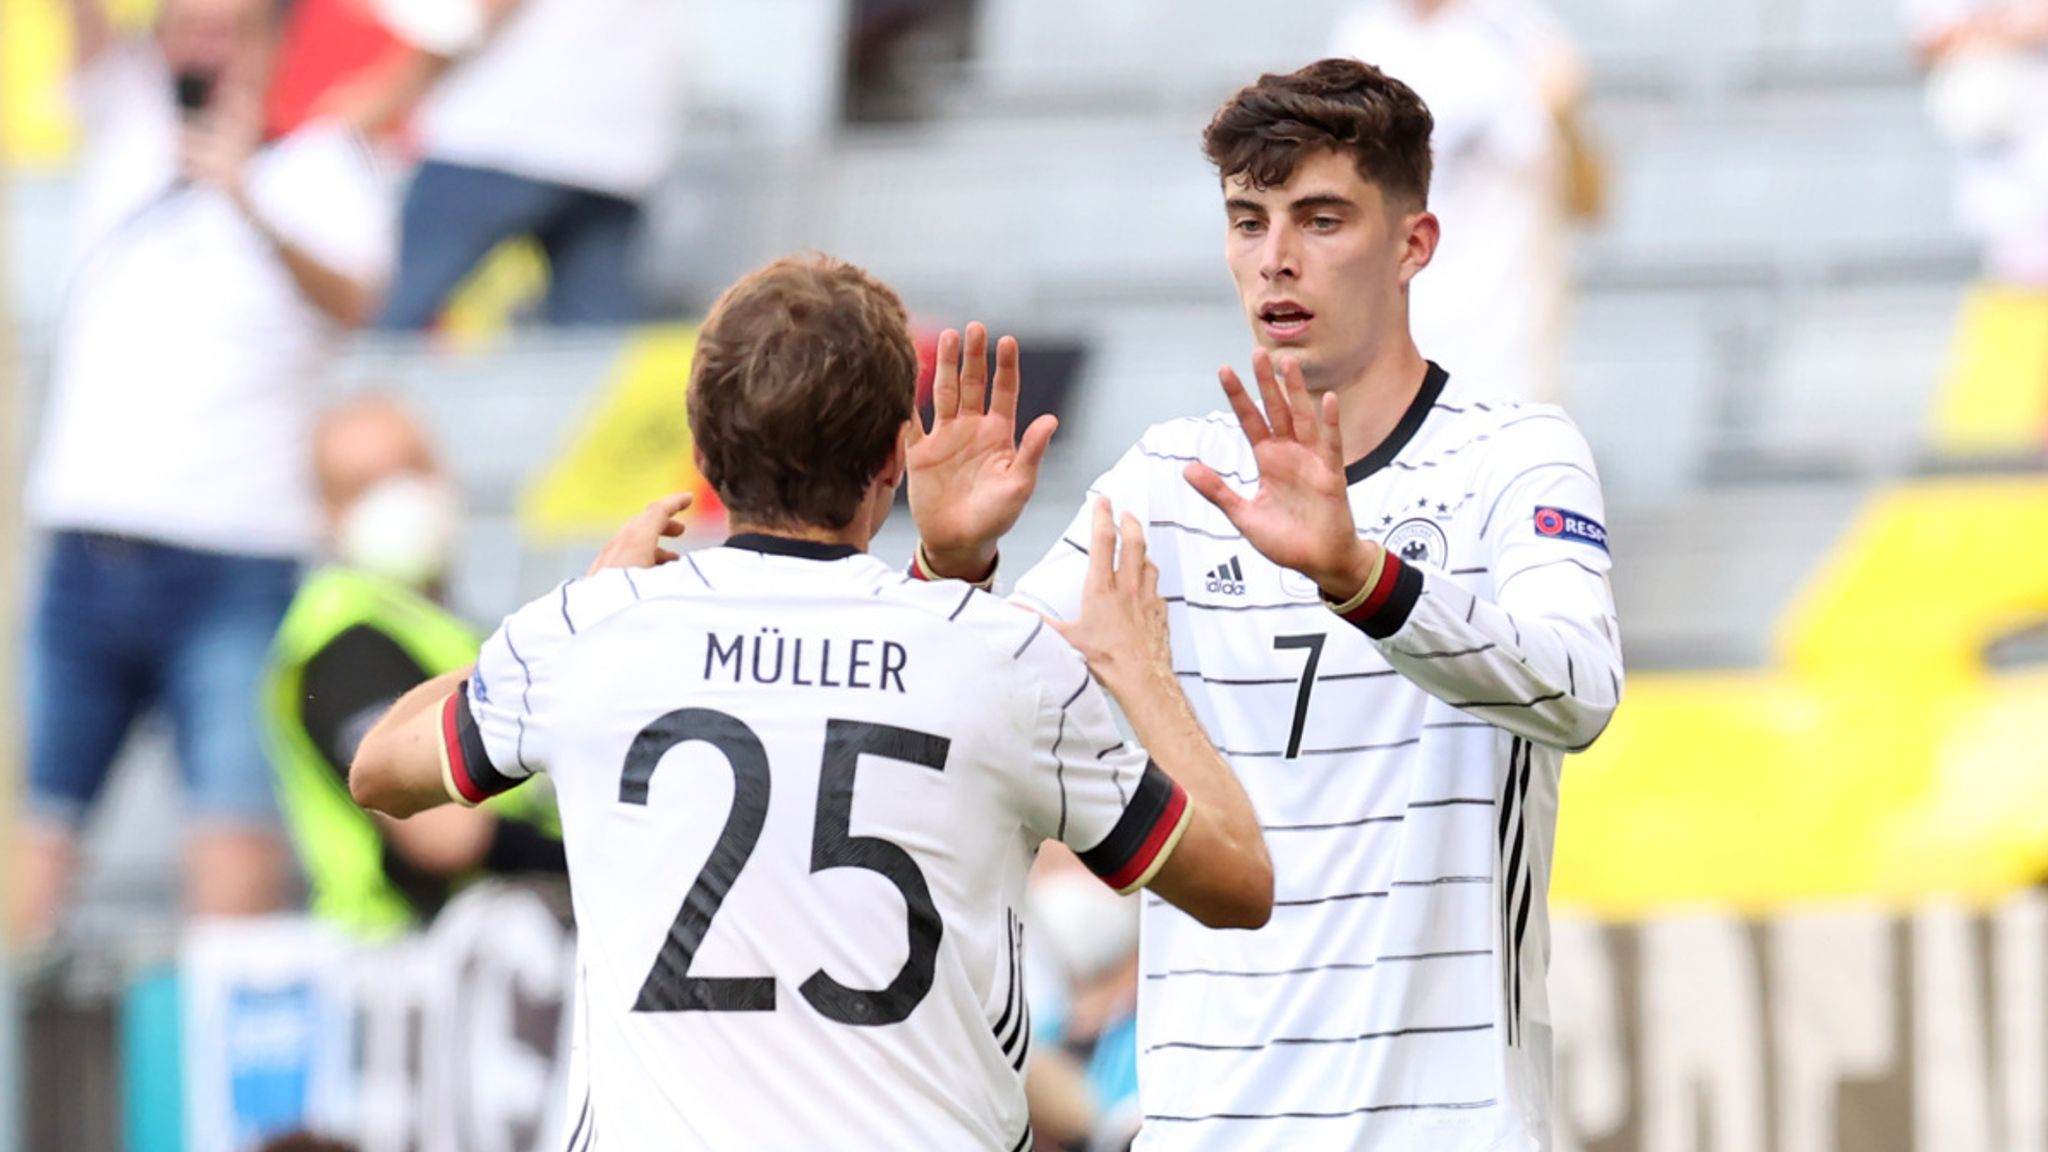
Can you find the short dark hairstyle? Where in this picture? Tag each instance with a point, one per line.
(1338, 105)
(804, 374)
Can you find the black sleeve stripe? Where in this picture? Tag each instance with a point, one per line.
(1394, 613)
(1137, 836)
(469, 761)
(565, 607)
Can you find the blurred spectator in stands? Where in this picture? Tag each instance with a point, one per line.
(213, 267)
(362, 632)
(548, 119)
(1085, 1033)
(1987, 64)
(1513, 169)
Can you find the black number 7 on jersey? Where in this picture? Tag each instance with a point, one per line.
(669, 987)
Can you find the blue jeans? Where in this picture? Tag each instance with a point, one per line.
(455, 215)
(126, 625)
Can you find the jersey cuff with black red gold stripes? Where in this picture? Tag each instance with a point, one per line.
(466, 767)
(1133, 852)
(921, 569)
(1386, 605)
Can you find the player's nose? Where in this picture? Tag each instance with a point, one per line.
(1281, 255)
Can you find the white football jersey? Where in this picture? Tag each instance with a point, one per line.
(800, 793)
(1405, 772)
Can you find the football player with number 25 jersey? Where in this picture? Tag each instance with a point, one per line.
(1389, 602)
(800, 791)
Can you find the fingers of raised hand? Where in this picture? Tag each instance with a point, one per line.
(663, 510)
(946, 378)
(1333, 437)
(1102, 547)
(974, 370)
(1131, 563)
(1002, 399)
(1278, 414)
(1247, 413)
(1031, 449)
(1301, 407)
(1205, 481)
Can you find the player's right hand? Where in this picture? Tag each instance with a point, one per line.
(638, 544)
(970, 476)
(1121, 629)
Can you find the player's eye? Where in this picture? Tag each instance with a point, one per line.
(1248, 226)
(1324, 223)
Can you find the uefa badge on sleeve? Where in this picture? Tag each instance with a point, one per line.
(1564, 524)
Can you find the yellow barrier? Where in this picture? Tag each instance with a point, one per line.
(1879, 757)
(35, 56)
(634, 447)
(1995, 399)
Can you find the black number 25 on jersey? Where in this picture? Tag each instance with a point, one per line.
(669, 986)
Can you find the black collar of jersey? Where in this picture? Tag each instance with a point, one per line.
(789, 546)
(1433, 382)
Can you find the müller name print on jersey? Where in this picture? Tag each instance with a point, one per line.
(769, 657)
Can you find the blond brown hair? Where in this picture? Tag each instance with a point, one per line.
(805, 372)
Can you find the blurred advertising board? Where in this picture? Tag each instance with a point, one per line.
(1842, 1028)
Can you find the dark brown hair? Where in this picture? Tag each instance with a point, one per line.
(805, 372)
(1338, 105)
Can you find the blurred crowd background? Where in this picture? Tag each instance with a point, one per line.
(330, 331)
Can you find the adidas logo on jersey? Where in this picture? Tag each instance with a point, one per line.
(1227, 578)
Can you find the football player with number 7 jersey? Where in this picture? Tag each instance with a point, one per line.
(1389, 603)
(800, 792)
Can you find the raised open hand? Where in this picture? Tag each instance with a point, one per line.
(970, 476)
(1121, 630)
(1300, 517)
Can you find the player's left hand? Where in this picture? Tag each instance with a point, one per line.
(638, 544)
(970, 476)
(1300, 517)
(215, 151)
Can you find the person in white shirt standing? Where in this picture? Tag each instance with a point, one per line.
(211, 272)
(552, 119)
(1513, 171)
(1390, 605)
(801, 792)
(1988, 92)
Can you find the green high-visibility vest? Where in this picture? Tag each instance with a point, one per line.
(338, 843)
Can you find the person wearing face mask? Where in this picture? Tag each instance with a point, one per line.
(362, 631)
(211, 271)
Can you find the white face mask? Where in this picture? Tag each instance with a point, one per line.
(402, 529)
(1090, 928)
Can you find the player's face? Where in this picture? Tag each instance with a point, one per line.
(1322, 264)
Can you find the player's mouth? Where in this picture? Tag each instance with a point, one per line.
(1285, 321)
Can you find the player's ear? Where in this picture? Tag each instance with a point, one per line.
(1419, 234)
